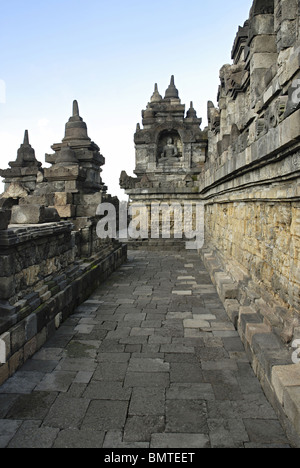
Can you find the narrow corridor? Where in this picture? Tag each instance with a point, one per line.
(151, 360)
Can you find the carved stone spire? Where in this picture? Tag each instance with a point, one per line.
(76, 128)
(172, 91)
(76, 149)
(156, 97)
(75, 109)
(26, 155)
(191, 113)
(26, 139)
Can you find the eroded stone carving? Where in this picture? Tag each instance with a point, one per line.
(170, 142)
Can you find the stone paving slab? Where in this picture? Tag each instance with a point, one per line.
(151, 360)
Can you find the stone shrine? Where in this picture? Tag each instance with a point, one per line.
(50, 255)
(71, 189)
(170, 153)
(20, 180)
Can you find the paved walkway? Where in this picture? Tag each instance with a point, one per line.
(150, 360)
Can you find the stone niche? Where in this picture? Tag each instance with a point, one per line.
(169, 147)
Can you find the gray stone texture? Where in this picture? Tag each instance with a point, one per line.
(167, 320)
(78, 392)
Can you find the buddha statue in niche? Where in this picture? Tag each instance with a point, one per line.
(169, 147)
(170, 150)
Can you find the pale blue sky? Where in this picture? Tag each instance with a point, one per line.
(107, 55)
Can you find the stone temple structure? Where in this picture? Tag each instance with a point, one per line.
(71, 189)
(170, 148)
(50, 255)
(23, 172)
(170, 154)
(243, 169)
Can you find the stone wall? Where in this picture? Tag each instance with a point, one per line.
(250, 186)
(263, 239)
(29, 254)
(42, 280)
(51, 258)
(251, 180)
(164, 222)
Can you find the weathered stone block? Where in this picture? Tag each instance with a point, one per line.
(5, 347)
(290, 128)
(289, 9)
(63, 198)
(86, 210)
(289, 67)
(45, 199)
(266, 341)
(60, 173)
(253, 329)
(4, 219)
(28, 214)
(293, 102)
(261, 24)
(18, 337)
(7, 287)
(228, 291)
(264, 43)
(288, 33)
(66, 211)
(30, 348)
(92, 199)
(232, 309)
(283, 377)
(51, 215)
(263, 60)
(58, 320)
(16, 361)
(41, 338)
(291, 402)
(30, 327)
(4, 373)
(247, 315)
(6, 309)
(72, 186)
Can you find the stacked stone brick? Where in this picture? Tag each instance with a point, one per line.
(50, 255)
(244, 167)
(249, 182)
(250, 185)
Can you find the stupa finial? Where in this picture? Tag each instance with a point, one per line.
(75, 108)
(76, 128)
(26, 138)
(156, 97)
(172, 91)
(191, 113)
